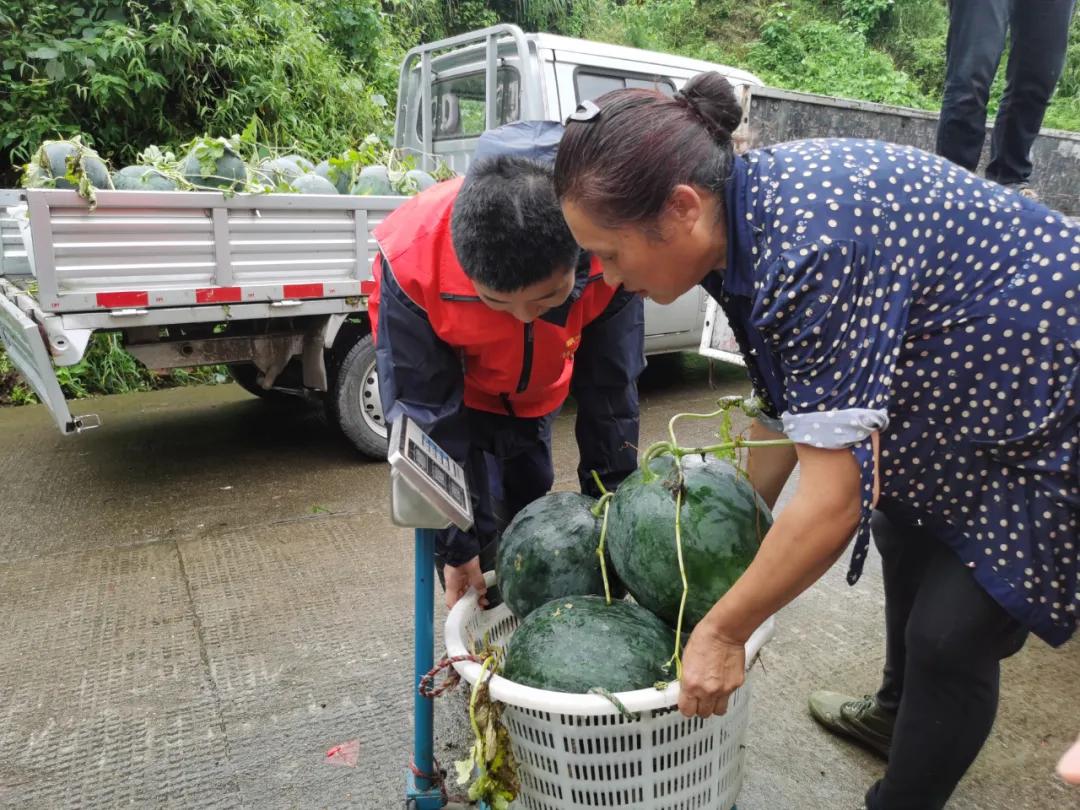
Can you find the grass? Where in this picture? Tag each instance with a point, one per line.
(106, 369)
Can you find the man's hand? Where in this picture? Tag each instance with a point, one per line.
(460, 578)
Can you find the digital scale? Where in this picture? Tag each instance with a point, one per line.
(428, 491)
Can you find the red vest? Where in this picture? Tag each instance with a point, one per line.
(510, 366)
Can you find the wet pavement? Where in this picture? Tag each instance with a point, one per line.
(202, 598)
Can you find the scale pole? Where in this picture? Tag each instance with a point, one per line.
(421, 793)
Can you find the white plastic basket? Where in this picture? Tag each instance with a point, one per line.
(578, 752)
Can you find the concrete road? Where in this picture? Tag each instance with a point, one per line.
(203, 597)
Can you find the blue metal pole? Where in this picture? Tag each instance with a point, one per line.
(421, 793)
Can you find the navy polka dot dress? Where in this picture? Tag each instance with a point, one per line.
(878, 287)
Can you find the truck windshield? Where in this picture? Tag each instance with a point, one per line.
(458, 104)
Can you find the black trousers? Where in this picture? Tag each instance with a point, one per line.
(1039, 34)
(945, 639)
(509, 466)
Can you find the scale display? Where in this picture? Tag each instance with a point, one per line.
(428, 488)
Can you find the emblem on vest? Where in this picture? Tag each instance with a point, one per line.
(571, 347)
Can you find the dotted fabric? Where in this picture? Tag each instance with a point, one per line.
(878, 287)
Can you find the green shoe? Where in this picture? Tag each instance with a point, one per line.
(860, 720)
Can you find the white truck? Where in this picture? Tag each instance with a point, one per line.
(275, 286)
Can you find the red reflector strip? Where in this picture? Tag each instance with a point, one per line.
(115, 300)
(367, 287)
(218, 295)
(303, 290)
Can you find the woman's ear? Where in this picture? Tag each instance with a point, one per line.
(684, 208)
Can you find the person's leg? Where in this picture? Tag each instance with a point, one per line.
(905, 551)
(479, 470)
(528, 472)
(973, 49)
(1039, 37)
(957, 636)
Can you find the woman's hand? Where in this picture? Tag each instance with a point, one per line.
(713, 667)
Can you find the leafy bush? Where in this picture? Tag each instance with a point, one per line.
(128, 74)
(823, 57)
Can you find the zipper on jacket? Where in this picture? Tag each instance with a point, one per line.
(526, 359)
(507, 404)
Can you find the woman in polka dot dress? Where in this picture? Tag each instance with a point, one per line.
(914, 329)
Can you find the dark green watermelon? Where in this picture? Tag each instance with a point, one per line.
(722, 523)
(335, 174)
(312, 184)
(142, 178)
(50, 166)
(580, 643)
(549, 551)
(277, 171)
(229, 172)
(373, 181)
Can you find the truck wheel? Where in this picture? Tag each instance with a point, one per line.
(354, 403)
(246, 376)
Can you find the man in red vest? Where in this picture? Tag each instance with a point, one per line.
(486, 316)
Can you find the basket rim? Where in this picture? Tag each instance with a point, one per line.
(544, 700)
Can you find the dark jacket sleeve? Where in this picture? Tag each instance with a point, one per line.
(606, 370)
(421, 376)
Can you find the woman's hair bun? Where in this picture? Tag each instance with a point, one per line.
(713, 99)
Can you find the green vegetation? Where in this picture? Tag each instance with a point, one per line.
(106, 369)
(316, 77)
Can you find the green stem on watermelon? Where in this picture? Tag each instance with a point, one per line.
(599, 484)
(677, 657)
(605, 504)
(679, 452)
(678, 416)
(653, 451)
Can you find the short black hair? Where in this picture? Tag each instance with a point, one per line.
(507, 227)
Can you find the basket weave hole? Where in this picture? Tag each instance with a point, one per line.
(608, 798)
(542, 786)
(591, 746)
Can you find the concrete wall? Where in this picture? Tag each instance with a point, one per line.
(781, 115)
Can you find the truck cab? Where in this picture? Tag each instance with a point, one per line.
(451, 91)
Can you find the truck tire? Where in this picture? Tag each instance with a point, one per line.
(354, 404)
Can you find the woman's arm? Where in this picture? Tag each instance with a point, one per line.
(807, 538)
(769, 467)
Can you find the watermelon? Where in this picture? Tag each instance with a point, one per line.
(336, 175)
(423, 180)
(373, 181)
(49, 167)
(549, 551)
(229, 172)
(302, 162)
(142, 178)
(277, 171)
(312, 184)
(722, 522)
(580, 643)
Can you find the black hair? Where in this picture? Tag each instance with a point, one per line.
(507, 228)
(623, 163)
